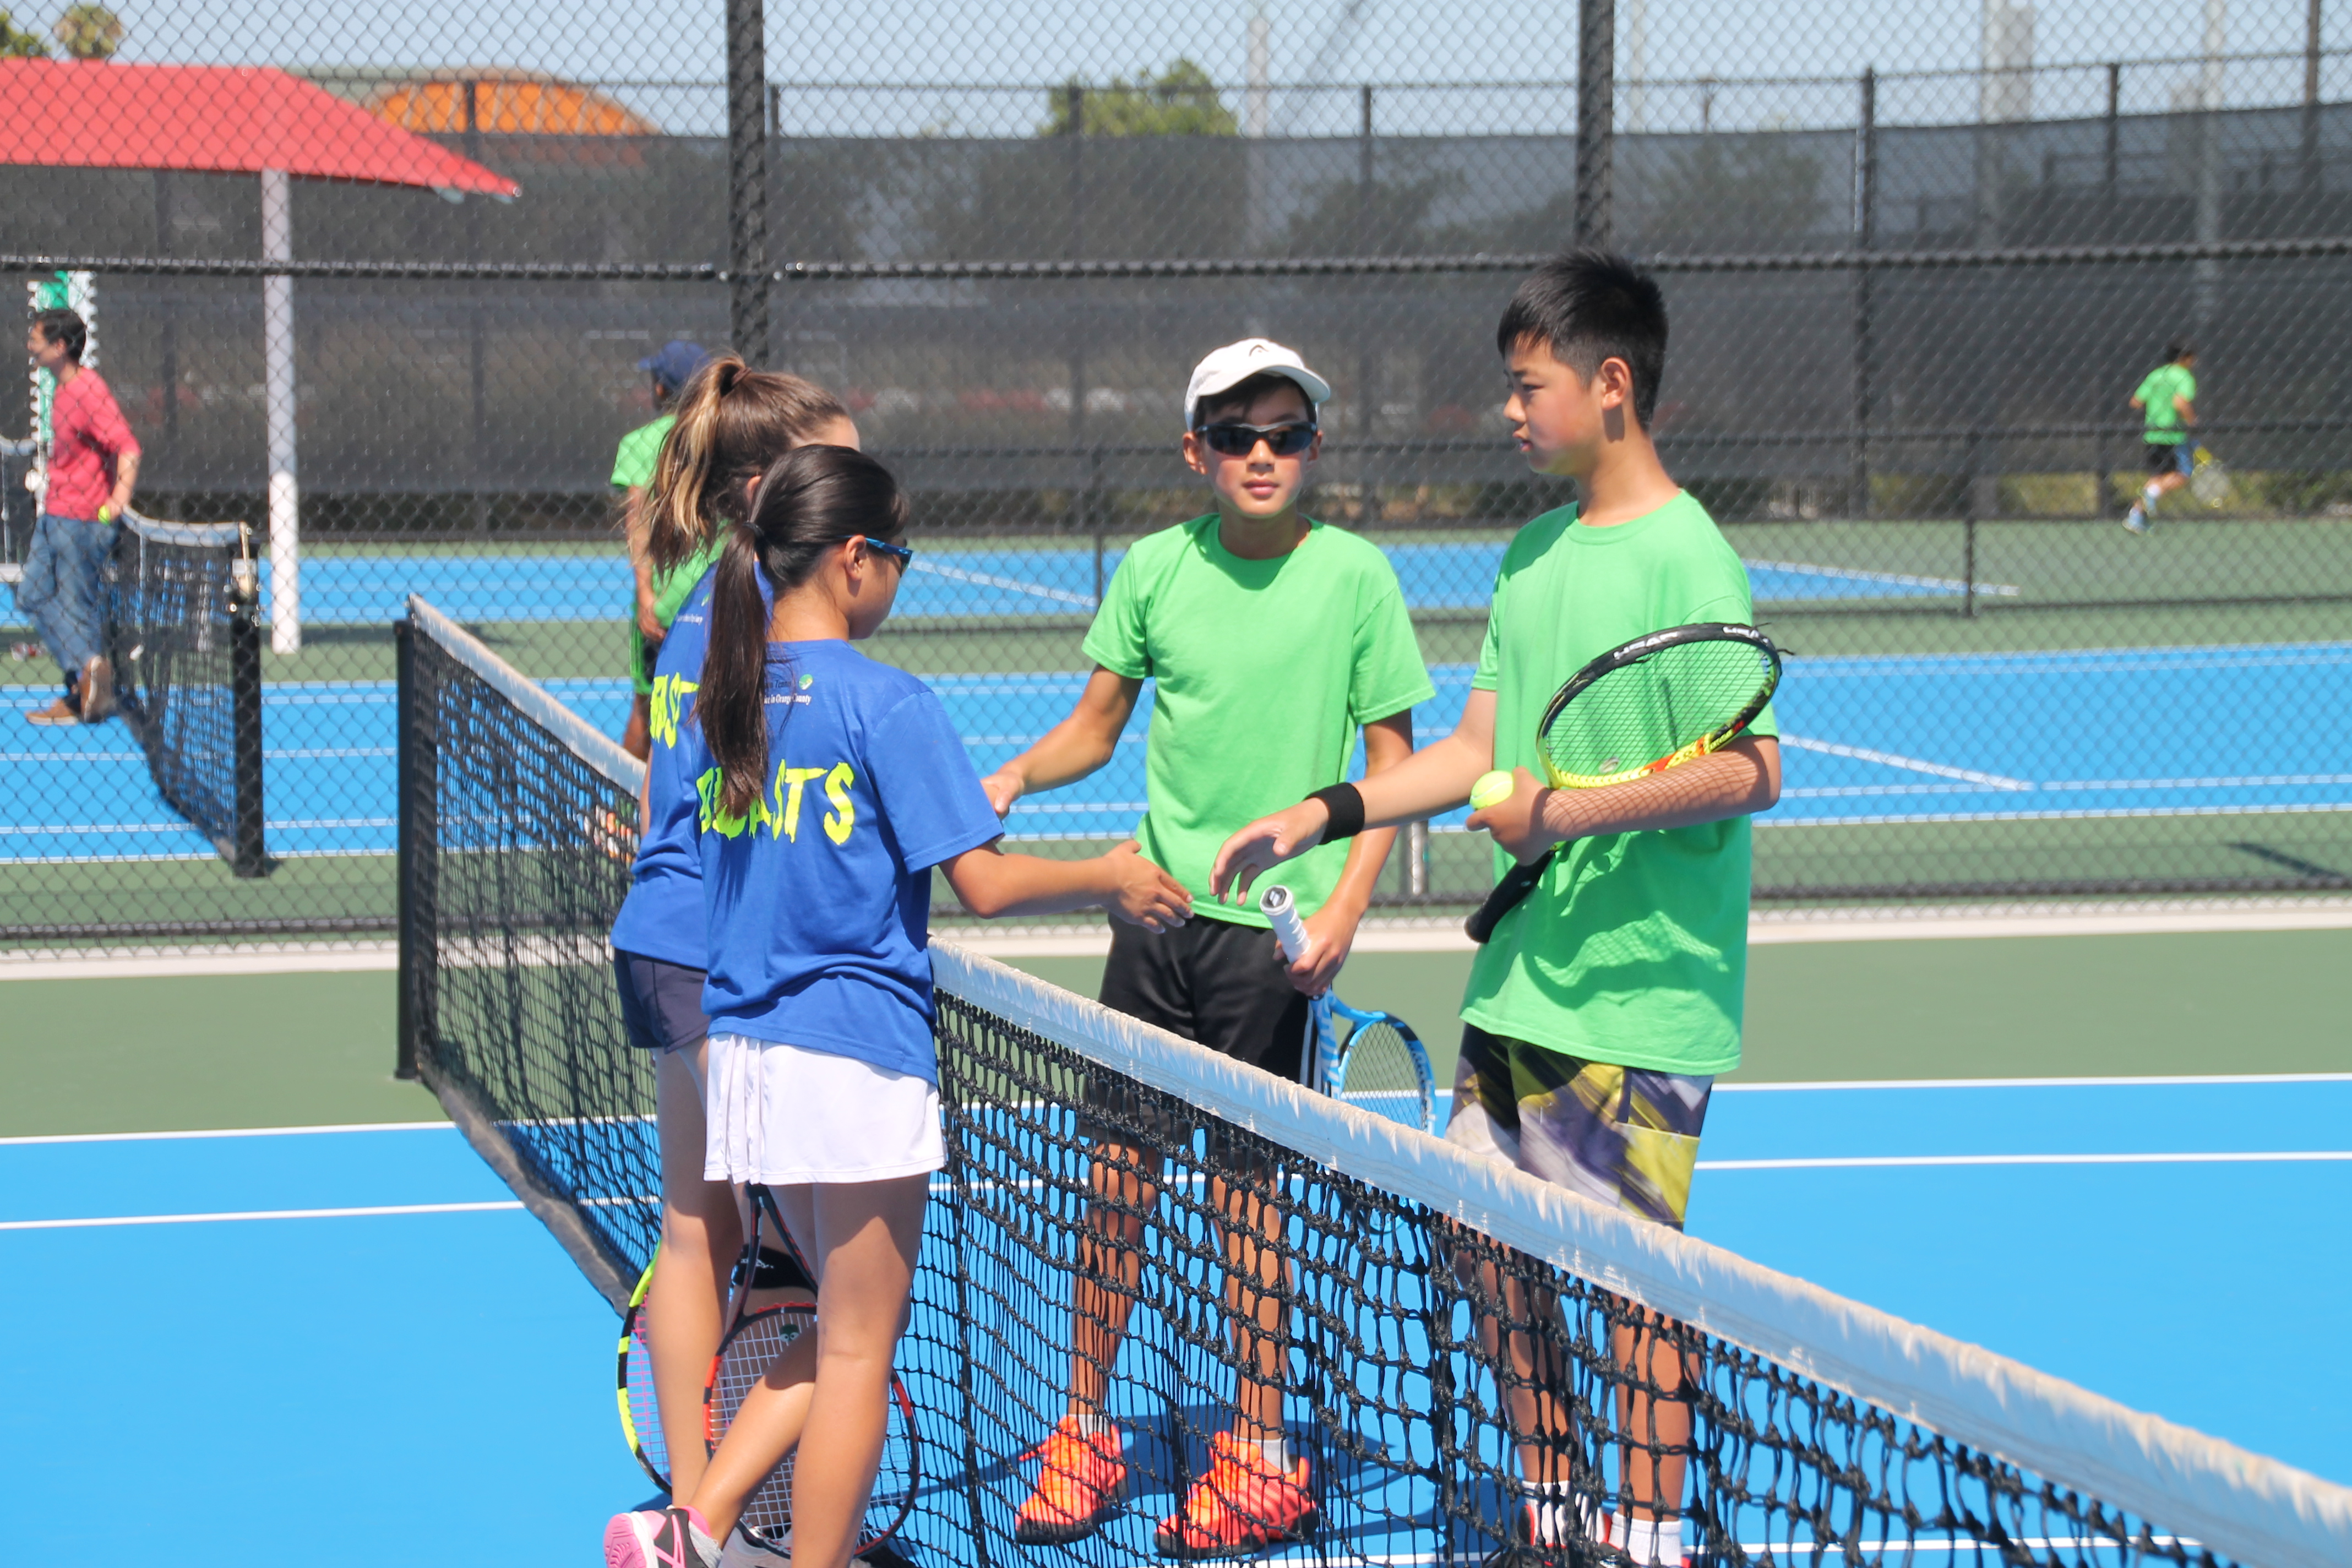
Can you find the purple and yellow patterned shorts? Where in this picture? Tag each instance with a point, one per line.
(1623, 1136)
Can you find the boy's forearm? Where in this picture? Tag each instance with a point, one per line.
(997, 884)
(1360, 878)
(1430, 782)
(1740, 780)
(1069, 752)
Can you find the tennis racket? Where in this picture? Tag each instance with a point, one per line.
(640, 1415)
(1370, 1060)
(776, 1278)
(756, 1338)
(2209, 481)
(1651, 704)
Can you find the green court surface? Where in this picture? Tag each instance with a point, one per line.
(154, 1055)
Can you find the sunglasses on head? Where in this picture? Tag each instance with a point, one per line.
(1237, 441)
(904, 554)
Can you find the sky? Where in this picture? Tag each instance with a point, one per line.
(1396, 42)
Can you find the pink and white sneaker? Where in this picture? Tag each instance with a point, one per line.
(660, 1538)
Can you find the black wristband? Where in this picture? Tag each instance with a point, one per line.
(1346, 805)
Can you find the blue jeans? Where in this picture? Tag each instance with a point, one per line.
(63, 591)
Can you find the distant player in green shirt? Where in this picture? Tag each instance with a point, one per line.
(2168, 399)
(1272, 640)
(1604, 1007)
(659, 595)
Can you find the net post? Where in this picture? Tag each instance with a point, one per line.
(251, 858)
(417, 914)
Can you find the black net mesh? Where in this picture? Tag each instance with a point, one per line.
(1434, 1381)
(1918, 257)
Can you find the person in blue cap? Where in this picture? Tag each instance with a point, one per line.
(658, 601)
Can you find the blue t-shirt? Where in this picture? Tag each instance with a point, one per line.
(818, 901)
(662, 917)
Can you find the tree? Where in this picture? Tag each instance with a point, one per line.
(1180, 101)
(89, 32)
(16, 44)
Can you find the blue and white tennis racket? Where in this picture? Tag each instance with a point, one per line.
(1370, 1060)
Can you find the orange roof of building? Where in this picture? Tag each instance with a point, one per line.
(506, 102)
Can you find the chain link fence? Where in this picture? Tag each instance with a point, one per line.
(1918, 259)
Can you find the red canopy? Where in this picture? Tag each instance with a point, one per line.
(94, 114)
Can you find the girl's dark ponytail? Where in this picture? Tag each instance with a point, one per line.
(809, 503)
(732, 701)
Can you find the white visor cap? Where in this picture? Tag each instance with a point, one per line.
(1228, 368)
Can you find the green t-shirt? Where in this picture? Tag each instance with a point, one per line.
(1265, 670)
(2164, 384)
(633, 463)
(1634, 949)
(671, 590)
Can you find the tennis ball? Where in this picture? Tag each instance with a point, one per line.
(1492, 789)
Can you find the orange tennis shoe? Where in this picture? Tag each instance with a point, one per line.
(1079, 1486)
(1241, 1507)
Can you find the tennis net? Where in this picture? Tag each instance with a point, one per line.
(1439, 1329)
(182, 632)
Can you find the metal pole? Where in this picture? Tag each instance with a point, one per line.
(747, 177)
(1865, 205)
(2308, 176)
(476, 330)
(1366, 394)
(252, 855)
(413, 808)
(1596, 65)
(168, 372)
(2111, 175)
(277, 403)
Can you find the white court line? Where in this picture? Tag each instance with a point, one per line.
(989, 580)
(374, 1212)
(1899, 579)
(1915, 764)
(231, 1132)
(1887, 1161)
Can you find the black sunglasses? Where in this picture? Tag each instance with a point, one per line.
(1240, 440)
(904, 554)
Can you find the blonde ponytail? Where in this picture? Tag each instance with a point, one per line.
(732, 421)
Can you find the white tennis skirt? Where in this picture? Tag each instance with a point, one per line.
(782, 1115)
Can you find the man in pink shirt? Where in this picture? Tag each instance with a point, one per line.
(93, 465)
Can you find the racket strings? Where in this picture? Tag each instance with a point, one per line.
(1639, 714)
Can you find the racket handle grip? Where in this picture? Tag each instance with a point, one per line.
(1279, 908)
(1513, 888)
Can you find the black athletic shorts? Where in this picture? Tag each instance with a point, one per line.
(661, 1003)
(1212, 981)
(2169, 458)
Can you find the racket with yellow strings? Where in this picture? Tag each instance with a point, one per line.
(1648, 705)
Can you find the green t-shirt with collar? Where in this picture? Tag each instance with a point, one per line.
(1264, 671)
(2156, 393)
(1634, 949)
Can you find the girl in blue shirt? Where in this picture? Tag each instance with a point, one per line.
(731, 423)
(827, 787)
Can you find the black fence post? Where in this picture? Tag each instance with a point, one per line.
(418, 915)
(2307, 175)
(1865, 206)
(252, 854)
(1596, 111)
(747, 177)
(2111, 168)
(476, 327)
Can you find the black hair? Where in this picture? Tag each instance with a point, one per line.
(1587, 305)
(2178, 349)
(810, 501)
(65, 327)
(1236, 400)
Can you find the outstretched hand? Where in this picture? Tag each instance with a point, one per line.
(1146, 896)
(1265, 844)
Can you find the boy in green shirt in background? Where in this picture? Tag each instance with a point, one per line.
(2168, 397)
(659, 595)
(1273, 639)
(1600, 1011)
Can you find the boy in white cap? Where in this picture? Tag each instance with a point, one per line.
(1273, 639)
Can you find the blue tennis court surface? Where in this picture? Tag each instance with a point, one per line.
(1973, 737)
(361, 1331)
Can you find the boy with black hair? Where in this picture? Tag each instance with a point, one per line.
(1600, 1011)
(1272, 640)
(2167, 398)
(93, 468)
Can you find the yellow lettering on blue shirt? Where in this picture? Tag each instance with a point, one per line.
(665, 705)
(780, 810)
(844, 816)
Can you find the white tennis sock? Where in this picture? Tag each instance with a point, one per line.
(1548, 1514)
(1277, 1451)
(1654, 1541)
(2151, 495)
(1094, 1426)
